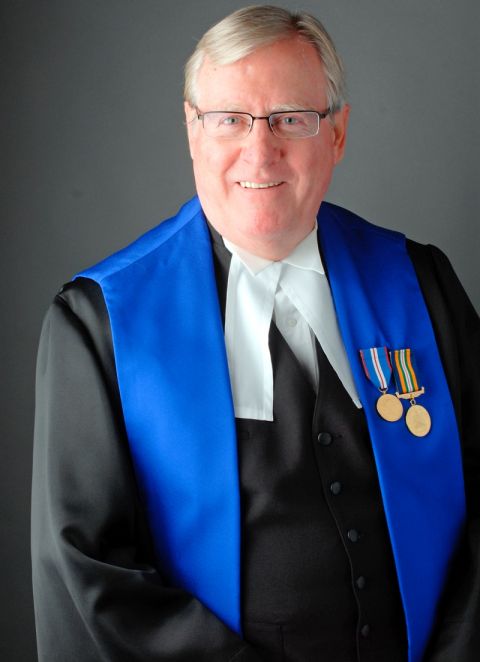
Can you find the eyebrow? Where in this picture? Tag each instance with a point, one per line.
(290, 107)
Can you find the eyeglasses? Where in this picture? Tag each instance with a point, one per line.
(235, 126)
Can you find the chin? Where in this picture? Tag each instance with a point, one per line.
(265, 225)
(270, 239)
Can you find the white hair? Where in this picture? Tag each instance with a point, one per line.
(251, 28)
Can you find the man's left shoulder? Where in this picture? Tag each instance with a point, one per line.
(352, 222)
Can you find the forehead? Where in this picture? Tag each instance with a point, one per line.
(285, 73)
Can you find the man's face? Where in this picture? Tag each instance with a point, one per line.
(269, 222)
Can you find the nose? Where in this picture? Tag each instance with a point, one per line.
(261, 147)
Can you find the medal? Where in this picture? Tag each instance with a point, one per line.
(378, 369)
(389, 407)
(417, 419)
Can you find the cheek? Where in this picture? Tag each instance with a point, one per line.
(213, 188)
(213, 158)
(210, 167)
(321, 163)
(311, 169)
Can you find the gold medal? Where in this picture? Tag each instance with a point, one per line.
(408, 386)
(389, 407)
(378, 369)
(418, 420)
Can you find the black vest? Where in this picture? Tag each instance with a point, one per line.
(318, 578)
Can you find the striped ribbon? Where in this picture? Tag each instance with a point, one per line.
(404, 371)
(377, 366)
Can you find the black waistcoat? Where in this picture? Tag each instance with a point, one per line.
(318, 578)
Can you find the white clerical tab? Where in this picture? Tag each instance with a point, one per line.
(248, 314)
(294, 289)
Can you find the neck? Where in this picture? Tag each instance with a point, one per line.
(272, 250)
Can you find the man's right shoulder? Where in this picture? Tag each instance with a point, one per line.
(156, 239)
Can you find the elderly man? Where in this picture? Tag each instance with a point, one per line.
(257, 424)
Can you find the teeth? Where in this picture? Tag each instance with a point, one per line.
(255, 185)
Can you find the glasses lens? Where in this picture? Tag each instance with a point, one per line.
(299, 124)
(226, 125)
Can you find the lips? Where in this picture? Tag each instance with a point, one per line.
(258, 185)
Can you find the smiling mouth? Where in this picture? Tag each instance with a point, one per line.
(257, 185)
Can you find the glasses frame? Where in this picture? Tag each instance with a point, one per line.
(268, 118)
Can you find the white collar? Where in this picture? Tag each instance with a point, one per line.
(251, 294)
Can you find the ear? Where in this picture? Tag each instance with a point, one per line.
(340, 126)
(190, 123)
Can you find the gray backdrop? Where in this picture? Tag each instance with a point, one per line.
(93, 153)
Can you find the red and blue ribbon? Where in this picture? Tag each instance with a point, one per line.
(377, 366)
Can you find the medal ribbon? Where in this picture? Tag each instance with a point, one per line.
(377, 366)
(404, 371)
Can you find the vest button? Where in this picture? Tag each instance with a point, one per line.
(360, 582)
(325, 438)
(336, 488)
(353, 535)
(365, 631)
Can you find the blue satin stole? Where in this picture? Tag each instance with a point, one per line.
(161, 297)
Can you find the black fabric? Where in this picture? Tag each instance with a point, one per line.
(300, 499)
(97, 593)
(457, 330)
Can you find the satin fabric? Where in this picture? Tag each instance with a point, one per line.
(167, 334)
(379, 303)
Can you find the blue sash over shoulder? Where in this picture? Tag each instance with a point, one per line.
(379, 303)
(161, 298)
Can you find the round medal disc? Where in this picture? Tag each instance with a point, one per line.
(418, 420)
(389, 407)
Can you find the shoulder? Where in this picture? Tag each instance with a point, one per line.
(353, 224)
(79, 312)
(435, 274)
(76, 323)
(151, 246)
(81, 298)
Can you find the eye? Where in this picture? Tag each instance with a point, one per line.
(220, 124)
(232, 120)
(287, 121)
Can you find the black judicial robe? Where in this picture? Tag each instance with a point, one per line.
(98, 594)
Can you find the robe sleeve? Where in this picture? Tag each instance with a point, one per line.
(456, 637)
(97, 592)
